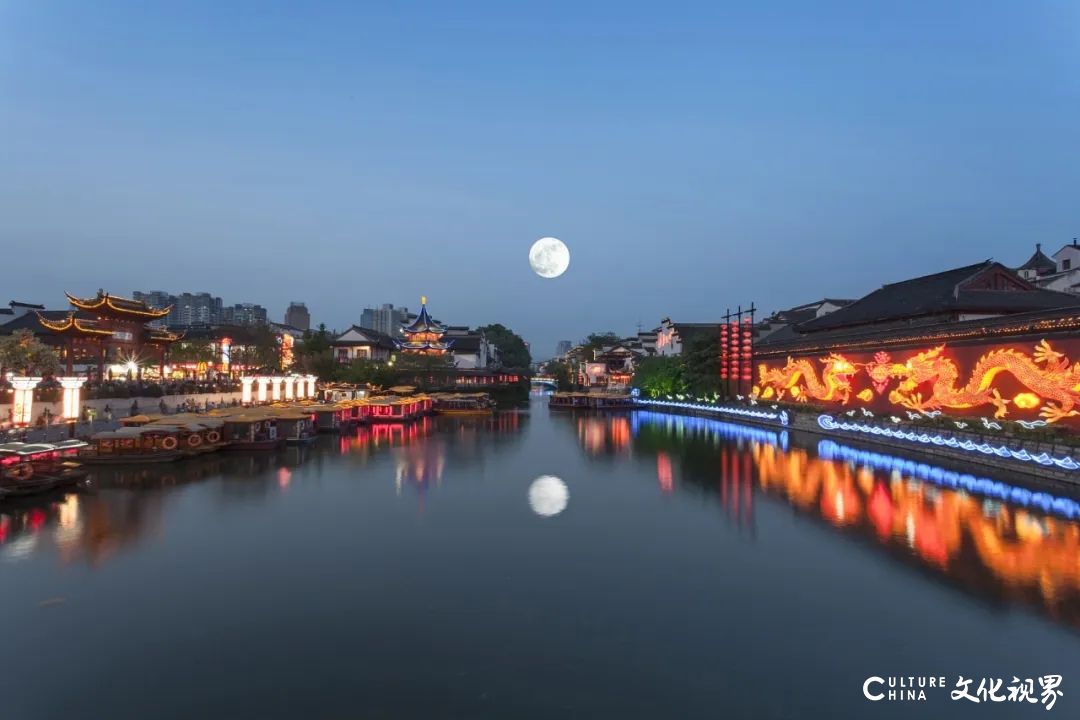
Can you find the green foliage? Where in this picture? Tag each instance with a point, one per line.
(23, 354)
(414, 362)
(313, 354)
(562, 372)
(659, 376)
(595, 341)
(695, 372)
(192, 351)
(367, 371)
(261, 351)
(513, 352)
(701, 366)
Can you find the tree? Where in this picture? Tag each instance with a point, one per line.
(513, 352)
(260, 351)
(24, 354)
(660, 376)
(424, 363)
(701, 365)
(562, 372)
(196, 350)
(314, 355)
(372, 372)
(595, 341)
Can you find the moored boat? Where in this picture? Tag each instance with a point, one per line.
(395, 409)
(462, 404)
(297, 428)
(197, 435)
(252, 431)
(132, 445)
(32, 468)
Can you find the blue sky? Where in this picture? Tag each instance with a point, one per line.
(693, 155)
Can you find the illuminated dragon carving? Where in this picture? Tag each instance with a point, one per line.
(930, 381)
(1047, 374)
(799, 377)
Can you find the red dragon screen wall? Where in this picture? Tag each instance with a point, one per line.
(1036, 382)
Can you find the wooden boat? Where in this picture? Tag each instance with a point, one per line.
(393, 409)
(297, 428)
(462, 404)
(197, 435)
(30, 469)
(605, 401)
(133, 445)
(330, 418)
(42, 484)
(252, 431)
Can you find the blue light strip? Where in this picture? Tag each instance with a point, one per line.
(780, 417)
(828, 422)
(1065, 507)
(709, 425)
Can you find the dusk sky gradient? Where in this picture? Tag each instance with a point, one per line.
(692, 155)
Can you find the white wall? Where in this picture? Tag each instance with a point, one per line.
(121, 407)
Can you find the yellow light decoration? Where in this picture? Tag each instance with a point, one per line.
(835, 383)
(125, 306)
(1026, 401)
(1047, 373)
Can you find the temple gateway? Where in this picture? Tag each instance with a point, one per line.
(109, 333)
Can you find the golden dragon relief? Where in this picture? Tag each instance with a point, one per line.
(928, 381)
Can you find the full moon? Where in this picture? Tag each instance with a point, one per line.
(548, 496)
(549, 257)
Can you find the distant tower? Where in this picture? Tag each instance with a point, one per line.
(298, 316)
(424, 336)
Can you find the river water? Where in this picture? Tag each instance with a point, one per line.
(691, 569)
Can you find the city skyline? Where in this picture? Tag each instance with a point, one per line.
(689, 160)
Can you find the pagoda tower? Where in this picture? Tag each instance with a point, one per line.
(423, 336)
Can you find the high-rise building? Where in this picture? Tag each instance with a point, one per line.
(562, 348)
(244, 314)
(198, 309)
(386, 319)
(201, 308)
(159, 300)
(298, 316)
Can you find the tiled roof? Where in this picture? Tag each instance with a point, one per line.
(951, 291)
(29, 321)
(373, 338)
(1039, 262)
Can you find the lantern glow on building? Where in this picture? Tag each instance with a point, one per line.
(245, 393)
(23, 407)
(72, 387)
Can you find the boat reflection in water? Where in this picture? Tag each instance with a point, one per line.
(126, 504)
(998, 549)
(603, 435)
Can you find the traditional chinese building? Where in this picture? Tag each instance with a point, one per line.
(359, 343)
(612, 366)
(975, 341)
(108, 332)
(424, 336)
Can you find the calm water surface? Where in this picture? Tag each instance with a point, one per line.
(699, 570)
